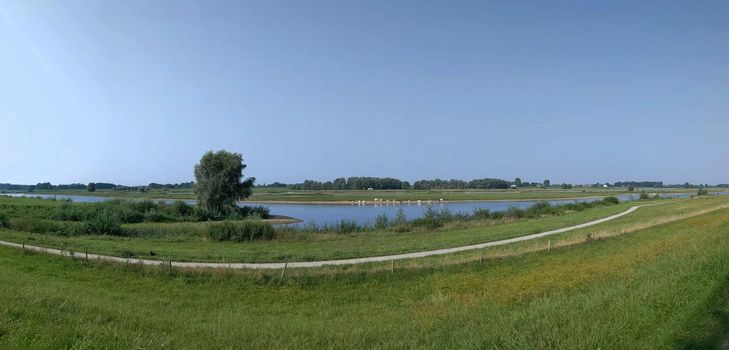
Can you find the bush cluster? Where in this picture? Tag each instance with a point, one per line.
(4, 221)
(108, 217)
(240, 231)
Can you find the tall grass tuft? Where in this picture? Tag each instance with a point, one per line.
(4, 221)
(240, 231)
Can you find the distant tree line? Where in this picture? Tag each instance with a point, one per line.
(388, 183)
(182, 185)
(639, 184)
(47, 186)
(353, 183)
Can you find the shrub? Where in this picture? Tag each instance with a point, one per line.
(481, 214)
(240, 212)
(35, 225)
(260, 211)
(643, 195)
(144, 206)
(702, 191)
(347, 226)
(156, 216)
(180, 208)
(4, 221)
(431, 219)
(128, 215)
(400, 218)
(381, 222)
(240, 231)
(514, 212)
(202, 214)
(104, 224)
(610, 200)
(539, 208)
(69, 212)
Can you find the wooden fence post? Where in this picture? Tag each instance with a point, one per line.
(392, 266)
(283, 273)
(549, 246)
(87, 254)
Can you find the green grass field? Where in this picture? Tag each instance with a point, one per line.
(660, 285)
(187, 241)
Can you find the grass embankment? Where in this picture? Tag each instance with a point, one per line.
(191, 242)
(662, 287)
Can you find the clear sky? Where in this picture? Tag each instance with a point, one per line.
(135, 92)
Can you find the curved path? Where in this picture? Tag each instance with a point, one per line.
(304, 264)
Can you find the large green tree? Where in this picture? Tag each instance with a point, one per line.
(219, 181)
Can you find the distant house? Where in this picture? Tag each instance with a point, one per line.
(605, 186)
(370, 189)
(513, 187)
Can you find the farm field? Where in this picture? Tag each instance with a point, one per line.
(659, 285)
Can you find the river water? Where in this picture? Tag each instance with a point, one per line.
(322, 214)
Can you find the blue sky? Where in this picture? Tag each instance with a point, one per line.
(136, 91)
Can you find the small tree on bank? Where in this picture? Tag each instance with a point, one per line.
(219, 181)
(91, 187)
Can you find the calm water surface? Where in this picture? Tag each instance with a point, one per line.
(321, 214)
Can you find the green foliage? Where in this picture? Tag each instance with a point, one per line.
(91, 187)
(181, 209)
(702, 191)
(240, 231)
(514, 213)
(104, 224)
(610, 200)
(644, 195)
(631, 188)
(218, 182)
(261, 212)
(34, 225)
(347, 226)
(382, 222)
(400, 217)
(481, 214)
(4, 220)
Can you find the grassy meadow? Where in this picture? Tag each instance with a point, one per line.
(656, 279)
(192, 240)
